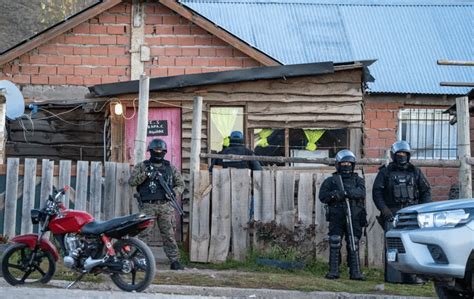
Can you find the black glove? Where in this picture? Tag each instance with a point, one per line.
(387, 214)
(338, 195)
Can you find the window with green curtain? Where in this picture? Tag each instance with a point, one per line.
(224, 120)
(304, 142)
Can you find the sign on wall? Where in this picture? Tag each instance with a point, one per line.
(157, 128)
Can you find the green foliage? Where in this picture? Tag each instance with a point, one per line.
(185, 260)
(3, 239)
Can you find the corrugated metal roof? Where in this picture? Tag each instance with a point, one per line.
(406, 37)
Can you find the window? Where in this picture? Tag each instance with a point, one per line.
(304, 143)
(429, 133)
(224, 120)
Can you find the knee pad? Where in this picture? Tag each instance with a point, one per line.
(335, 241)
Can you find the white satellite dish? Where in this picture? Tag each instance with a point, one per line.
(15, 101)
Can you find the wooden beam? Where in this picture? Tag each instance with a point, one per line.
(457, 84)
(57, 30)
(220, 33)
(455, 62)
(330, 161)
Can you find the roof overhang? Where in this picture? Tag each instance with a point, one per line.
(241, 75)
(56, 30)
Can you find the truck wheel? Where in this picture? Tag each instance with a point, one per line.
(445, 292)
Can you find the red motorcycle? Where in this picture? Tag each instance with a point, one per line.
(87, 246)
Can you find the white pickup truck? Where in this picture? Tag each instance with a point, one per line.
(436, 241)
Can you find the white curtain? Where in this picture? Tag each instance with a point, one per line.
(223, 119)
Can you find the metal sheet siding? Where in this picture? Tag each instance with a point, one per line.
(406, 40)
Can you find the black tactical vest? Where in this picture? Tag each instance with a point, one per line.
(151, 189)
(403, 187)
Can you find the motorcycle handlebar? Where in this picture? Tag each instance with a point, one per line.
(60, 192)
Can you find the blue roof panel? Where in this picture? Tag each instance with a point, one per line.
(406, 39)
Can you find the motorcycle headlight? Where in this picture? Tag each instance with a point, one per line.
(442, 218)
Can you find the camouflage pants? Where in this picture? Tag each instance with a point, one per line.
(166, 221)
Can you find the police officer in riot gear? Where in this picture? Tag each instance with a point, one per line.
(398, 185)
(236, 147)
(335, 198)
(154, 199)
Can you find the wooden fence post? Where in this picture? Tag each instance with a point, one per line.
(65, 179)
(464, 147)
(96, 189)
(201, 230)
(320, 222)
(305, 199)
(284, 207)
(220, 216)
(47, 168)
(9, 224)
(375, 233)
(195, 151)
(240, 199)
(82, 177)
(122, 190)
(29, 186)
(109, 190)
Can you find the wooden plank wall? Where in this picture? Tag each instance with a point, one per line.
(274, 199)
(325, 101)
(104, 197)
(57, 134)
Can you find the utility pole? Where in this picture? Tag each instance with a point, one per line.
(464, 147)
(142, 119)
(195, 152)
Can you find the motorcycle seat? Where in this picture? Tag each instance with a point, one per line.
(99, 227)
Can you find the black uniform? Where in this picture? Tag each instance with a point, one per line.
(354, 186)
(396, 187)
(237, 149)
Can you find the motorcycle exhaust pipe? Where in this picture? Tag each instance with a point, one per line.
(89, 263)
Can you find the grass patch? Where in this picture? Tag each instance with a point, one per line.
(248, 274)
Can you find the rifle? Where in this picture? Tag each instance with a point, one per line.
(340, 186)
(153, 174)
(139, 200)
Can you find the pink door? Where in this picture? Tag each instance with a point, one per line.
(163, 123)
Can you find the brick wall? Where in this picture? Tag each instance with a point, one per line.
(381, 124)
(179, 47)
(97, 51)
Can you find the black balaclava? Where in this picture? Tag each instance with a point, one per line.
(345, 171)
(157, 157)
(401, 161)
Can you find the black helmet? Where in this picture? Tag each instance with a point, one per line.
(345, 156)
(157, 144)
(400, 146)
(236, 137)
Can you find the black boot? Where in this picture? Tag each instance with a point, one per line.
(334, 253)
(354, 262)
(176, 265)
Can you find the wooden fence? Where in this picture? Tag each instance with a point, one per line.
(220, 212)
(101, 190)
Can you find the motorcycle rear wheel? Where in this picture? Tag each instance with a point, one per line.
(16, 267)
(138, 265)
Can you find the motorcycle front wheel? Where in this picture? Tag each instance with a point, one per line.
(138, 265)
(21, 265)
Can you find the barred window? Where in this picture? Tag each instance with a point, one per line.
(428, 132)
